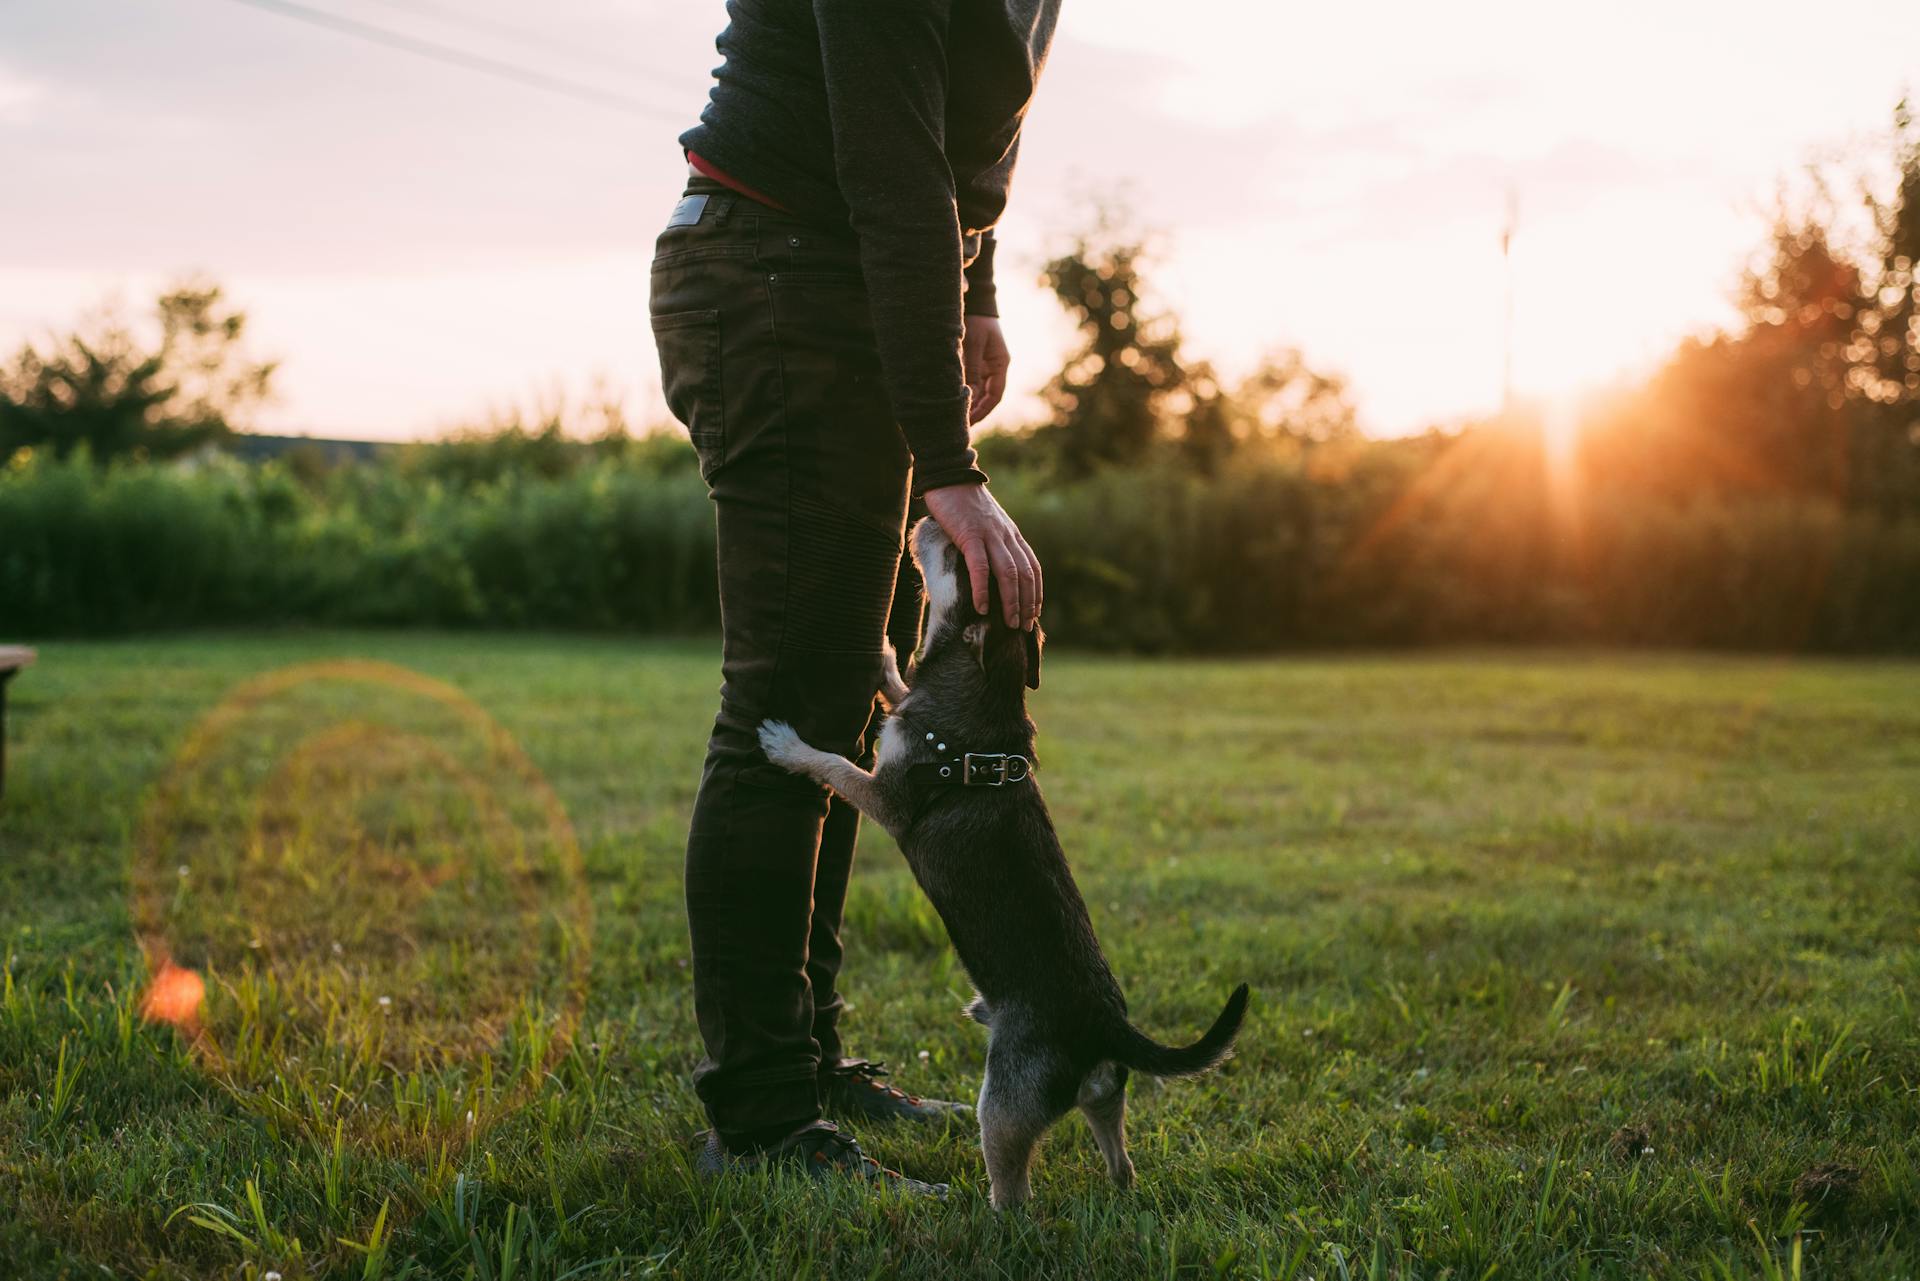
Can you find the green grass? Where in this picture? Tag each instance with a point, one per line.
(1563, 966)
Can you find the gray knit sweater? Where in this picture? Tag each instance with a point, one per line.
(899, 119)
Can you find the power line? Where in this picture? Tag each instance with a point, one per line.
(437, 52)
(449, 15)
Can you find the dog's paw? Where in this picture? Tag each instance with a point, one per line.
(782, 744)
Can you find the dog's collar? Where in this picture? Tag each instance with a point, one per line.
(970, 769)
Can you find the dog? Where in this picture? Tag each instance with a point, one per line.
(953, 784)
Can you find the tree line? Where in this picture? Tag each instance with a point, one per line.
(1760, 489)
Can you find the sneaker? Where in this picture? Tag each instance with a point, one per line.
(821, 1150)
(853, 1088)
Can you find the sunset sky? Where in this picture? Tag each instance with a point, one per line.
(420, 242)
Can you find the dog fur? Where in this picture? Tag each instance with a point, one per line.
(990, 862)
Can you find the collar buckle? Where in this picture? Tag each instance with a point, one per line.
(993, 769)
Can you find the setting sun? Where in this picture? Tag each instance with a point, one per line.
(1560, 433)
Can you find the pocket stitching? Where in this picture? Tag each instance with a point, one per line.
(671, 257)
(849, 280)
(712, 440)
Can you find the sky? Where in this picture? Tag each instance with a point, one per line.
(421, 244)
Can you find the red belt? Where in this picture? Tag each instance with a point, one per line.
(698, 164)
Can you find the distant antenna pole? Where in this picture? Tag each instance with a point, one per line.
(1506, 262)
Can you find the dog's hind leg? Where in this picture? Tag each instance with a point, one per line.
(1015, 1110)
(1103, 1101)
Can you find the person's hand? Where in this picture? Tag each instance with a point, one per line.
(984, 353)
(987, 537)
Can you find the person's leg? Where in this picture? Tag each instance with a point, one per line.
(825, 951)
(767, 355)
(838, 836)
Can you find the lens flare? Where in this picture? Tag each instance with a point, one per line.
(364, 905)
(175, 996)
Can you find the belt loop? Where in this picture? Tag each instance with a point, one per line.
(723, 207)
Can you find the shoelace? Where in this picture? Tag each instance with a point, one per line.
(843, 1146)
(868, 1074)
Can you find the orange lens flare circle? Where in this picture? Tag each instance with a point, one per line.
(363, 906)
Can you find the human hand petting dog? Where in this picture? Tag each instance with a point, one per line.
(988, 538)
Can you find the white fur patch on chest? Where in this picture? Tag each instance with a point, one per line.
(894, 744)
(942, 585)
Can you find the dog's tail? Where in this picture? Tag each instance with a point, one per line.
(1144, 1054)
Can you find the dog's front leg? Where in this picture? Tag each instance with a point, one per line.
(784, 747)
(893, 690)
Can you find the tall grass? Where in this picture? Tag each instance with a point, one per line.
(1390, 547)
(126, 548)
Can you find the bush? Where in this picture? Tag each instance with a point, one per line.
(128, 547)
(1428, 541)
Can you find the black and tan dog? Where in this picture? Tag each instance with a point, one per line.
(953, 784)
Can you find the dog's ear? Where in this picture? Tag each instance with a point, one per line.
(975, 635)
(1033, 655)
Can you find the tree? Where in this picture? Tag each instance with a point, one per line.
(1819, 391)
(1284, 404)
(1834, 332)
(102, 389)
(552, 438)
(1128, 386)
(1764, 409)
(1214, 423)
(1108, 400)
(1886, 344)
(1795, 418)
(1286, 399)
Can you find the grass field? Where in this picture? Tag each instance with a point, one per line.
(1563, 966)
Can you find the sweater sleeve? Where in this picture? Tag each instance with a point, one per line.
(885, 67)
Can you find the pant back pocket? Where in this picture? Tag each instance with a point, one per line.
(689, 347)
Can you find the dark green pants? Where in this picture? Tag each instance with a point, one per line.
(767, 356)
